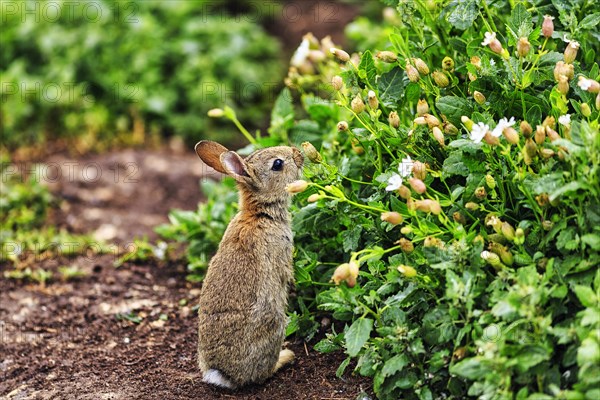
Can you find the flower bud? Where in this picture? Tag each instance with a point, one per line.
(508, 231)
(394, 119)
(526, 129)
(511, 135)
(450, 129)
(476, 61)
(540, 134)
(313, 198)
(408, 272)
(547, 153)
(467, 122)
(491, 139)
(490, 181)
(459, 218)
(549, 121)
(406, 245)
(406, 230)
(519, 236)
(296, 186)
(356, 146)
(589, 85)
(480, 193)
(438, 135)
(552, 134)
(547, 225)
(357, 104)
(547, 26)
(479, 97)
(598, 102)
(493, 221)
(417, 185)
(311, 153)
(435, 207)
(530, 148)
(431, 241)
(412, 73)
(421, 66)
(542, 199)
(448, 64)
(341, 273)
(420, 121)
(431, 120)
(492, 258)
(585, 109)
(563, 84)
(216, 113)
(342, 126)
(386, 56)
(372, 100)
(440, 79)
(419, 170)
(340, 54)
(502, 251)
(472, 206)
(337, 82)
(571, 51)
(523, 47)
(472, 77)
(422, 107)
(392, 217)
(496, 46)
(404, 192)
(562, 68)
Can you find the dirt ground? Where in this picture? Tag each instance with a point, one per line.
(76, 339)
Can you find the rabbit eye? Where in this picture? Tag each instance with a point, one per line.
(277, 165)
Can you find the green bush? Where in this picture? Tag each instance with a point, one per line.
(71, 70)
(457, 206)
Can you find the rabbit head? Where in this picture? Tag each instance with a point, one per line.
(264, 174)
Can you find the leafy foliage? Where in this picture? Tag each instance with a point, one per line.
(129, 69)
(486, 282)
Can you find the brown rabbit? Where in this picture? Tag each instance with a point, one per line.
(243, 301)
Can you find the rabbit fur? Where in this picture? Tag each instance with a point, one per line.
(242, 315)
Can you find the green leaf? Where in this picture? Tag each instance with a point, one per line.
(470, 368)
(394, 364)
(454, 165)
(326, 346)
(391, 87)
(351, 237)
(520, 24)
(340, 371)
(592, 240)
(461, 13)
(590, 21)
(357, 335)
(366, 68)
(453, 108)
(586, 295)
(282, 116)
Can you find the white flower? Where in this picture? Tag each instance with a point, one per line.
(394, 183)
(478, 132)
(503, 124)
(406, 166)
(492, 62)
(565, 120)
(301, 53)
(584, 83)
(489, 36)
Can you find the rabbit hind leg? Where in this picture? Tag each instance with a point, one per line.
(215, 377)
(285, 357)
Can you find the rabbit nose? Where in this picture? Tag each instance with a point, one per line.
(298, 157)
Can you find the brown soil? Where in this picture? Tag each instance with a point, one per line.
(70, 340)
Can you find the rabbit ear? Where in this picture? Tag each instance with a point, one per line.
(210, 153)
(235, 166)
